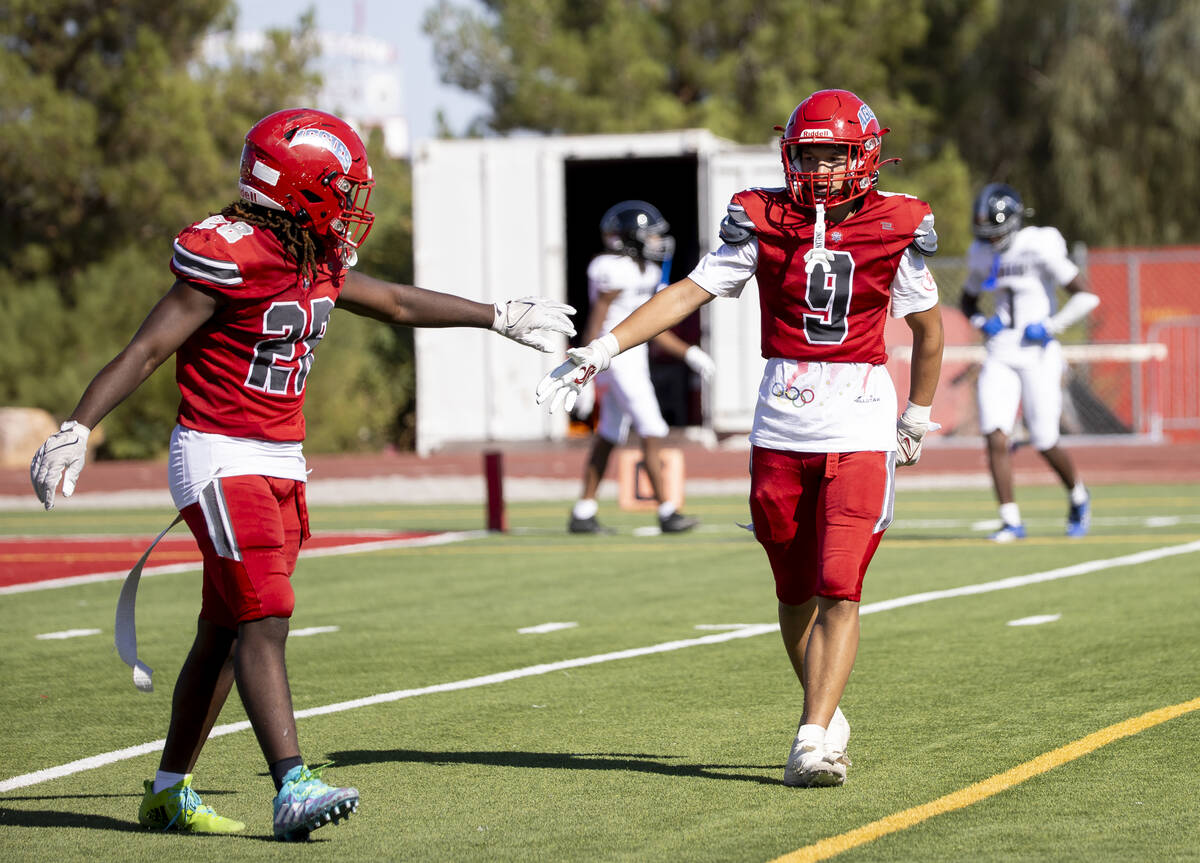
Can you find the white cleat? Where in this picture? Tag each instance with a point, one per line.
(837, 736)
(808, 766)
(1008, 533)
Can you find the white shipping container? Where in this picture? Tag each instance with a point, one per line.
(498, 219)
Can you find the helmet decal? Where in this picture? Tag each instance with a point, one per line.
(321, 138)
(265, 173)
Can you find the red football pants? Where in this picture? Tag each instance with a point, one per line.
(820, 517)
(249, 529)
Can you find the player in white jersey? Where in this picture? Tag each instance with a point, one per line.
(637, 263)
(1022, 268)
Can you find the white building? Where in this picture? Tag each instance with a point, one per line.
(362, 80)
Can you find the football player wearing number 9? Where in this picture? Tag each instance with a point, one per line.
(830, 254)
(254, 290)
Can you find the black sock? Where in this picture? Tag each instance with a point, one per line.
(281, 768)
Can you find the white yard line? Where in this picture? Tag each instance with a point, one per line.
(66, 633)
(748, 631)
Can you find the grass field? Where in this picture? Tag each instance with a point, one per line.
(665, 738)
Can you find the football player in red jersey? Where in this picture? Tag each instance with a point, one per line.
(830, 254)
(255, 287)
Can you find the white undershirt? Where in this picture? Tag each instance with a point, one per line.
(197, 458)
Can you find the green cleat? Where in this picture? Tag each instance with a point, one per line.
(180, 808)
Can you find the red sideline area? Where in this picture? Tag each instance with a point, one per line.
(1099, 463)
(27, 560)
(22, 560)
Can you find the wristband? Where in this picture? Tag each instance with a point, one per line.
(77, 427)
(917, 413)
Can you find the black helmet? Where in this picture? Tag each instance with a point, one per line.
(998, 214)
(637, 229)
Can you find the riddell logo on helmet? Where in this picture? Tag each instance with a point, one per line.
(323, 139)
(815, 133)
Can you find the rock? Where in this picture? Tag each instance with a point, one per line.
(22, 431)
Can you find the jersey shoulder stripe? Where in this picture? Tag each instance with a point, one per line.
(233, 258)
(204, 269)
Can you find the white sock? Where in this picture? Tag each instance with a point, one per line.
(834, 737)
(812, 733)
(585, 507)
(1079, 494)
(163, 779)
(1010, 514)
(666, 509)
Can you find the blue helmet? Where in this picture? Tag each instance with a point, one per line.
(637, 229)
(998, 213)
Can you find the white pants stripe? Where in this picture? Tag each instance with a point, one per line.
(220, 526)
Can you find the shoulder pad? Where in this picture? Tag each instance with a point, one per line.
(204, 251)
(925, 238)
(736, 227)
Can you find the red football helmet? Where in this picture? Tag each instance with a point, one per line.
(832, 117)
(313, 166)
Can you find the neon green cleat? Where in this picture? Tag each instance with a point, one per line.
(180, 808)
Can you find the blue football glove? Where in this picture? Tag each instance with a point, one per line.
(992, 326)
(1038, 334)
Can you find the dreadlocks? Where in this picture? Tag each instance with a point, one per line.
(301, 245)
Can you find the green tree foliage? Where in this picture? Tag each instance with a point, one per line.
(1093, 110)
(115, 134)
(1090, 107)
(362, 392)
(735, 67)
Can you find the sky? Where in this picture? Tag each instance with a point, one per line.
(395, 21)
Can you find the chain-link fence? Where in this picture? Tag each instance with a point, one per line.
(1133, 365)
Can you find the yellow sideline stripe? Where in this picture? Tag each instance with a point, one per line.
(962, 798)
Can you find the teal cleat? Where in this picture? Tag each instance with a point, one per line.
(305, 803)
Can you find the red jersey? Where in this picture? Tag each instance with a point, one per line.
(837, 313)
(242, 374)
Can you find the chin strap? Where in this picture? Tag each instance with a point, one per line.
(818, 255)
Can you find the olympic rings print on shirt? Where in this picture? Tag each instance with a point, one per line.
(795, 395)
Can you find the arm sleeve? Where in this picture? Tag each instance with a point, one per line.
(1076, 308)
(725, 271)
(600, 279)
(913, 287)
(1054, 254)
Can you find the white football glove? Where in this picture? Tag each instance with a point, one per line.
(562, 386)
(700, 362)
(533, 321)
(911, 427)
(61, 456)
(586, 403)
